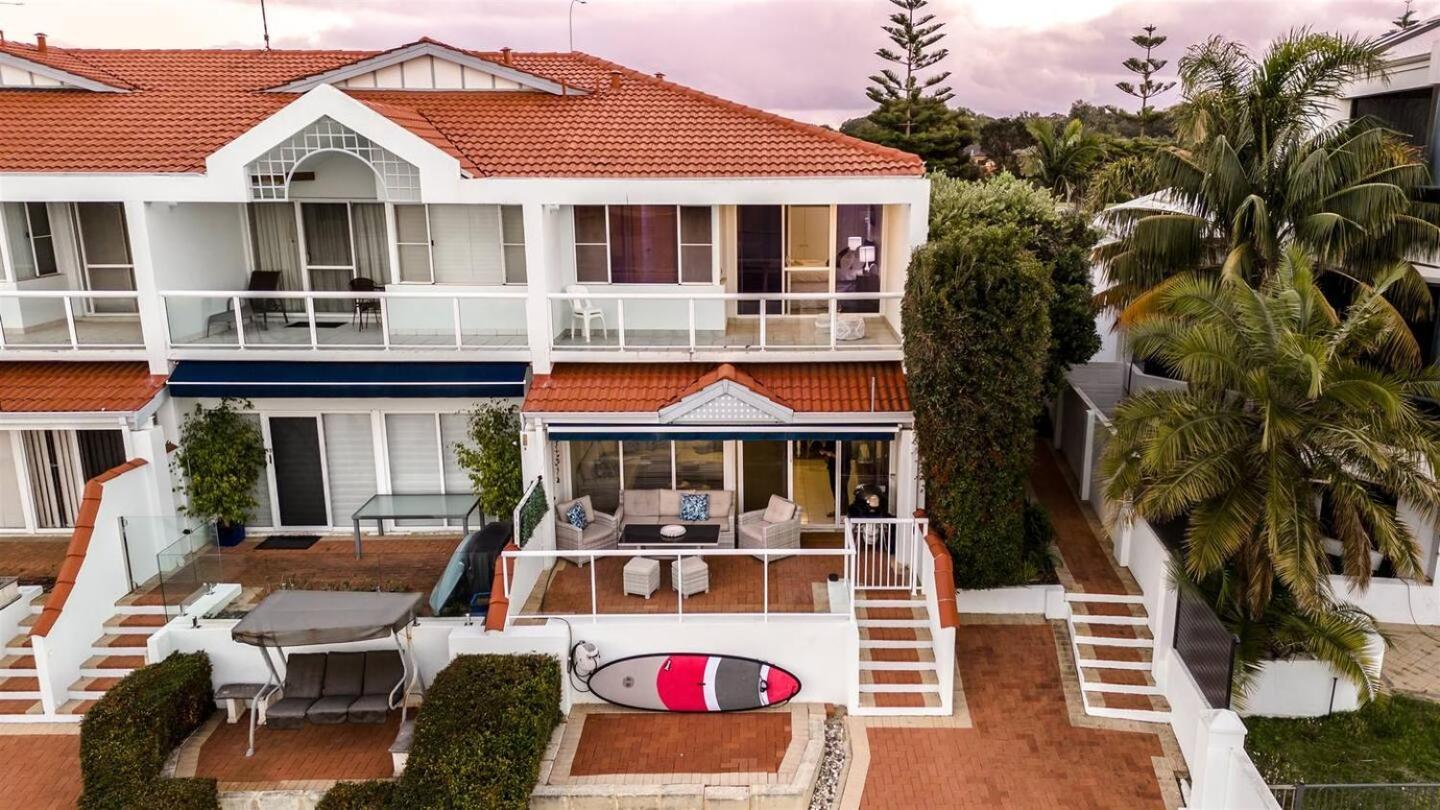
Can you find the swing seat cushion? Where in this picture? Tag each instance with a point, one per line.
(304, 682)
(383, 672)
(344, 676)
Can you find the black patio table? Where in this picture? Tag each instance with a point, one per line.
(430, 506)
(647, 535)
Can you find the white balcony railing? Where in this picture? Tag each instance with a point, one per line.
(69, 320)
(686, 321)
(393, 319)
(765, 588)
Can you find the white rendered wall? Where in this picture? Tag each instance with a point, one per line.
(197, 246)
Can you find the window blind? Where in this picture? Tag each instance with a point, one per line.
(413, 448)
(466, 244)
(350, 460)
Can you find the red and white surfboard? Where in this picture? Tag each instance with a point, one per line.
(693, 682)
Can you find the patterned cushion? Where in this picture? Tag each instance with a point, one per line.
(695, 506)
(576, 516)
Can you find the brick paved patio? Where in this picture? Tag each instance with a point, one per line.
(1028, 747)
(39, 771)
(682, 743)
(1412, 663)
(35, 560)
(311, 756)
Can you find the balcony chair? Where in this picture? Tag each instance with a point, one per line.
(365, 306)
(775, 526)
(260, 281)
(602, 531)
(583, 309)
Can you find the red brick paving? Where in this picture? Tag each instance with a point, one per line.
(682, 743)
(346, 751)
(34, 561)
(1023, 752)
(1084, 557)
(39, 771)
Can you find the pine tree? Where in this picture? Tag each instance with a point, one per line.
(1146, 69)
(901, 99)
(1407, 20)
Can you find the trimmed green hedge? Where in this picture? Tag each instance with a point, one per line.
(129, 733)
(373, 795)
(481, 733)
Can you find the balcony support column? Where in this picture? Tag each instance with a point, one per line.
(542, 273)
(151, 310)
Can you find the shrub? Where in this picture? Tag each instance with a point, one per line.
(481, 733)
(491, 458)
(1039, 534)
(976, 331)
(129, 733)
(373, 795)
(221, 457)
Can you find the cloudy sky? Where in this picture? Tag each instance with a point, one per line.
(805, 58)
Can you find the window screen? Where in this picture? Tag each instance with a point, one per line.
(466, 241)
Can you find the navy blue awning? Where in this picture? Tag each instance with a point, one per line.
(255, 380)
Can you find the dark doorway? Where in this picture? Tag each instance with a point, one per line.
(100, 450)
(759, 256)
(299, 478)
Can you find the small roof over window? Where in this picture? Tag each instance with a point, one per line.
(427, 64)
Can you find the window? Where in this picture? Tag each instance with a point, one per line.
(700, 465)
(807, 236)
(644, 244)
(32, 247)
(412, 236)
(105, 255)
(646, 465)
(512, 243)
(595, 471)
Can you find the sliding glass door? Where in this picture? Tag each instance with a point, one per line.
(343, 242)
(105, 255)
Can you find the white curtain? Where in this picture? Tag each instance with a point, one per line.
(466, 242)
(372, 245)
(275, 243)
(350, 459)
(12, 511)
(52, 462)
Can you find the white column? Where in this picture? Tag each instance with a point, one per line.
(1220, 736)
(149, 443)
(152, 320)
(907, 474)
(541, 275)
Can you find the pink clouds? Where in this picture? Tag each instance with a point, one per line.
(805, 58)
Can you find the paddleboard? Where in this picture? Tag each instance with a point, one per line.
(693, 682)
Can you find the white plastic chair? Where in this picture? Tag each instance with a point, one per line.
(582, 308)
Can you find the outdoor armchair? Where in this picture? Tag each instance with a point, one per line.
(775, 526)
(601, 532)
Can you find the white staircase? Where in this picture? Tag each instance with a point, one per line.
(19, 682)
(898, 671)
(1114, 657)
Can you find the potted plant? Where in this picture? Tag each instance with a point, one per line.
(221, 457)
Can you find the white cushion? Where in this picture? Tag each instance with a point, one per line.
(644, 502)
(669, 502)
(779, 510)
(721, 501)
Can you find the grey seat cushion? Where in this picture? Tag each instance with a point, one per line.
(344, 680)
(289, 712)
(754, 532)
(304, 675)
(383, 671)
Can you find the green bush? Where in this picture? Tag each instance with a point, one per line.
(129, 733)
(491, 458)
(376, 794)
(481, 733)
(1039, 534)
(977, 327)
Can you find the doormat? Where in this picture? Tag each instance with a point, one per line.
(318, 325)
(288, 542)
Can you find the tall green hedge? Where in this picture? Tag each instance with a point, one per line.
(129, 733)
(481, 733)
(977, 334)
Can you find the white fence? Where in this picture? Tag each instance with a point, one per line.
(686, 321)
(72, 320)
(400, 318)
(888, 553)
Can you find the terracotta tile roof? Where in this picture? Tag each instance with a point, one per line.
(186, 104)
(647, 387)
(421, 126)
(44, 387)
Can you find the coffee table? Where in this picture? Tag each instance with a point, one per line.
(648, 536)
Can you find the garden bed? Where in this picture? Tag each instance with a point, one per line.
(1391, 740)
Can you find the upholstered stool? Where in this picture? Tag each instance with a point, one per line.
(642, 577)
(689, 576)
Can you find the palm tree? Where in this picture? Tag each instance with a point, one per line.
(1062, 157)
(1286, 409)
(1259, 171)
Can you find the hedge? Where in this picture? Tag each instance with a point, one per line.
(128, 734)
(373, 795)
(481, 733)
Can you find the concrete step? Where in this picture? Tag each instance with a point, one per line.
(1120, 688)
(135, 624)
(901, 688)
(139, 610)
(876, 644)
(104, 660)
(75, 706)
(1104, 641)
(896, 666)
(890, 603)
(19, 683)
(1106, 598)
(894, 623)
(1098, 663)
(1094, 618)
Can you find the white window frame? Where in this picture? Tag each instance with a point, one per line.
(680, 245)
(7, 261)
(86, 265)
(504, 266)
(428, 244)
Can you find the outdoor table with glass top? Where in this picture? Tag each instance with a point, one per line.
(434, 506)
